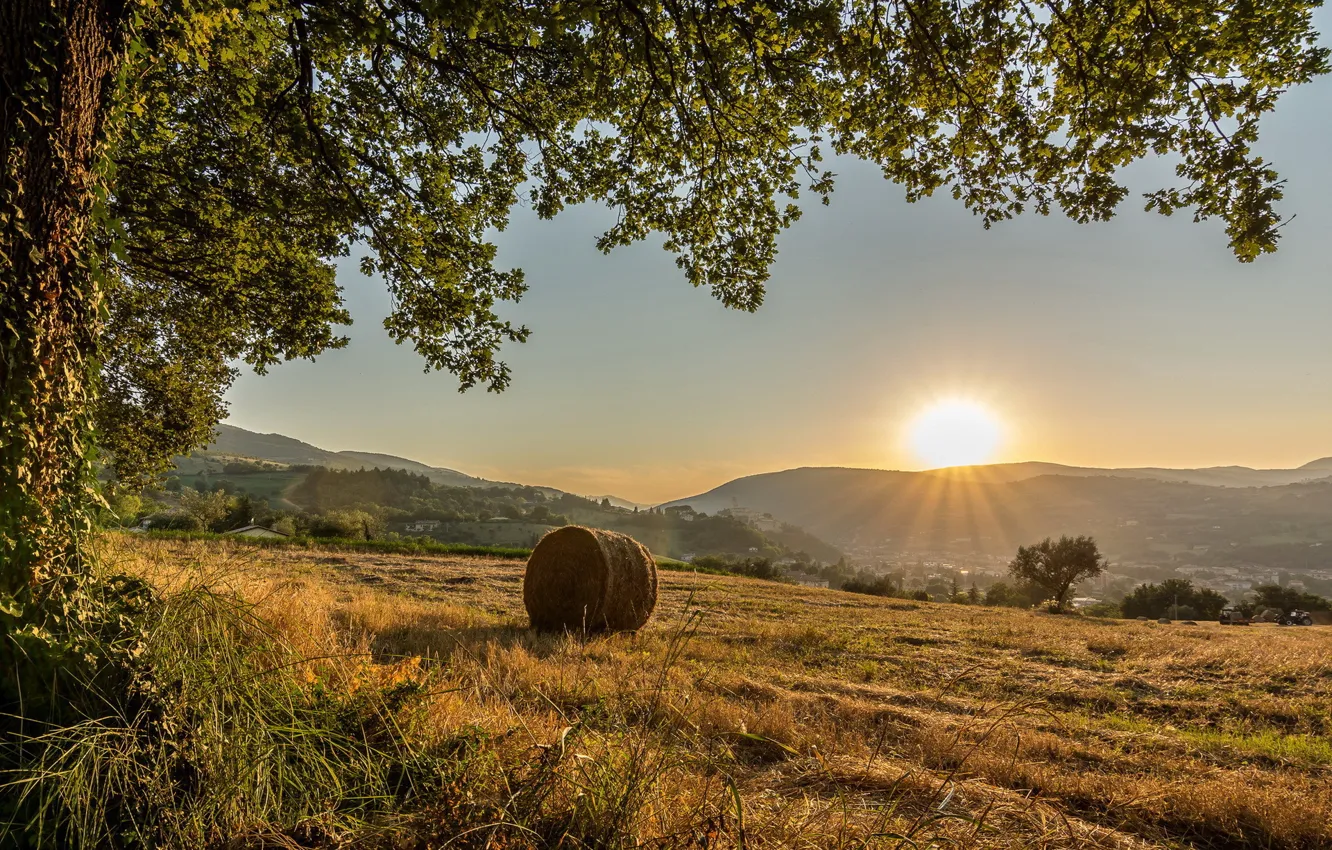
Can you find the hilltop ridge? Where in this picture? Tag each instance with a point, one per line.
(991, 510)
(1217, 515)
(232, 441)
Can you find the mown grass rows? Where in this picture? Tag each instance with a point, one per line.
(765, 715)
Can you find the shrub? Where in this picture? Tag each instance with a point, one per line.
(1159, 600)
(1005, 595)
(186, 718)
(871, 585)
(174, 521)
(242, 468)
(122, 509)
(752, 567)
(1287, 598)
(208, 508)
(346, 525)
(1103, 609)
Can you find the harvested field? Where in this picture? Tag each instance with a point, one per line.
(749, 713)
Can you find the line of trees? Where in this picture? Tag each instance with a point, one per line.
(1043, 573)
(1288, 599)
(762, 568)
(1180, 600)
(219, 511)
(1175, 598)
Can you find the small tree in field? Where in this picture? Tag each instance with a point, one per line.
(207, 508)
(1056, 566)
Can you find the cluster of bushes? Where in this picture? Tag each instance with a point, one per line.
(1178, 599)
(1043, 573)
(219, 512)
(401, 495)
(1020, 594)
(762, 568)
(1175, 598)
(1287, 599)
(1001, 594)
(871, 584)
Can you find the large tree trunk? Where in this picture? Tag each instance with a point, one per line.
(58, 63)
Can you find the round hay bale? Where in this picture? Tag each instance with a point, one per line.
(587, 579)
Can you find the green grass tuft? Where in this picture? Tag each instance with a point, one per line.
(209, 736)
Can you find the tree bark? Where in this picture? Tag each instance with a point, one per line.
(58, 65)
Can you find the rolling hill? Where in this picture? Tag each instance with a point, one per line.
(1214, 476)
(991, 510)
(238, 443)
(1220, 514)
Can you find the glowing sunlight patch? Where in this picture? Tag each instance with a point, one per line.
(955, 432)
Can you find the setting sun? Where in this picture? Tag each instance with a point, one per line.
(955, 432)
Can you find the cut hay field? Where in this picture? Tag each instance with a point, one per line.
(753, 714)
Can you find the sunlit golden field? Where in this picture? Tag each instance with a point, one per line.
(757, 714)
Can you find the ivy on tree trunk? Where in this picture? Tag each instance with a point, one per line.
(58, 66)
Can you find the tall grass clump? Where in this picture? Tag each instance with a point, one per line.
(188, 721)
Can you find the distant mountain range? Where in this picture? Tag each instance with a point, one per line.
(1226, 514)
(1212, 476)
(236, 442)
(1147, 513)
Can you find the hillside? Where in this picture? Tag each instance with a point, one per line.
(1215, 476)
(934, 512)
(240, 443)
(439, 475)
(321, 502)
(763, 716)
(1221, 515)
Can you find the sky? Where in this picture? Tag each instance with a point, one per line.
(1136, 342)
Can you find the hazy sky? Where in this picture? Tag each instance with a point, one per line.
(1131, 343)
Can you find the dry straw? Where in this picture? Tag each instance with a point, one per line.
(587, 579)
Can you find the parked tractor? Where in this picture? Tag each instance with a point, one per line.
(1232, 616)
(1295, 618)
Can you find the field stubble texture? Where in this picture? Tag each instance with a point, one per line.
(755, 714)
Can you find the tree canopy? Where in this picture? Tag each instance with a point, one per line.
(1056, 565)
(263, 140)
(1289, 599)
(1172, 596)
(180, 177)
